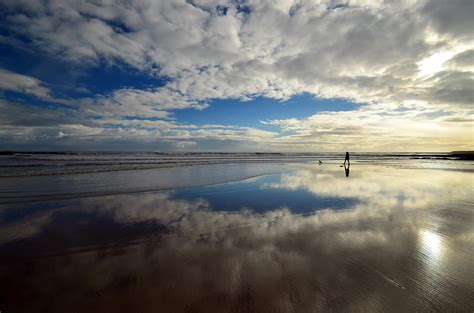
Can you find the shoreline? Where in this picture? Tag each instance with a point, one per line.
(47, 164)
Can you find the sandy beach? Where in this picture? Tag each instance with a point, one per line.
(241, 237)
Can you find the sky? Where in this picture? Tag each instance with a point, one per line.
(238, 75)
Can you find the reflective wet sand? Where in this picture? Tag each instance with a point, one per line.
(308, 239)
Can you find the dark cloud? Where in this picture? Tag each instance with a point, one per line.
(464, 59)
(452, 87)
(451, 17)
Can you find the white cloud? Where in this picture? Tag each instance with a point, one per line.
(10, 81)
(411, 126)
(280, 49)
(382, 53)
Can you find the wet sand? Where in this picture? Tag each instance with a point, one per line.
(300, 238)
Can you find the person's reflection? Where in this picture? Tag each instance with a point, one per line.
(346, 169)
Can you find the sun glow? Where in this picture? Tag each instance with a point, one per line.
(432, 247)
(431, 242)
(433, 64)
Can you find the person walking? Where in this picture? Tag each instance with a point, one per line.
(347, 159)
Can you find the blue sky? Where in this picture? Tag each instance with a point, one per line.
(251, 113)
(236, 76)
(68, 80)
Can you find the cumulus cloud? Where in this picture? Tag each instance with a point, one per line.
(376, 52)
(141, 103)
(409, 127)
(10, 81)
(453, 17)
(72, 127)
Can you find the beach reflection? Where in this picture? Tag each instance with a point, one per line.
(383, 188)
(159, 251)
(432, 246)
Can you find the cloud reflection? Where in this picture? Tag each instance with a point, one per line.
(173, 254)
